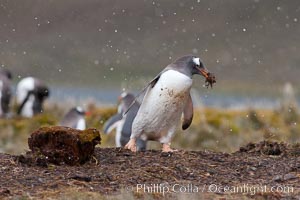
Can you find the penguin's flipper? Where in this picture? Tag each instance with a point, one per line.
(188, 113)
(112, 123)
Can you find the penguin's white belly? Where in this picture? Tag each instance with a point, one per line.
(27, 110)
(162, 106)
(81, 124)
(24, 86)
(119, 128)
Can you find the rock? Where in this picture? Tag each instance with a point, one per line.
(80, 177)
(277, 178)
(253, 168)
(285, 177)
(59, 144)
(166, 154)
(289, 177)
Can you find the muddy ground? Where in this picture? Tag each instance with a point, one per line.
(115, 171)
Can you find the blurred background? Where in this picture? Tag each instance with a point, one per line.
(90, 51)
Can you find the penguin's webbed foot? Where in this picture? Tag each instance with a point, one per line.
(131, 145)
(167, 148)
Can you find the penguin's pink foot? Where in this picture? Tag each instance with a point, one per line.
(131, 145)
(166, 148)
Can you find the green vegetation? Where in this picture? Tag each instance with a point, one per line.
(212, 129)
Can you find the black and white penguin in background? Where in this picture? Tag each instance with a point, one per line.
(5, 91)
(123, 124)
(167, 98)
(75, 118)
(31, 94)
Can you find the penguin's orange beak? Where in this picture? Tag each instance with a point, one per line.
(88, 113)
(204, 72)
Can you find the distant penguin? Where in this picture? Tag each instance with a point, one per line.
(122, 124)
(6, 73)
(31, 93)
(74, 119)
(167, 98)
(5, 91)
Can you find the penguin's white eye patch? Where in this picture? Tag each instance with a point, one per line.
(196, 61)
(123, 94)
(79, 109)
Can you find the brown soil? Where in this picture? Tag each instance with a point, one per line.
(113, 170)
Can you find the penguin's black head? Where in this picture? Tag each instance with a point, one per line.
(126, 98)
(79, 110)
(42, 92)
(191, 65)
(6, 73)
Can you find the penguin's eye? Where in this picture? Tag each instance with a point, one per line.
(196, 61)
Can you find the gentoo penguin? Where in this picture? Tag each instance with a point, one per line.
(31, 93)
(6, 73)
(123, 124)
(5, 91)
(74, 119)
(167, 97)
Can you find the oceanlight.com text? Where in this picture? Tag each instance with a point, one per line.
(212, 188)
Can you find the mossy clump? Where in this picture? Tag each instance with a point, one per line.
(89, 135)
(62, 145)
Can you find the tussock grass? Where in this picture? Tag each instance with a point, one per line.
(212, 129)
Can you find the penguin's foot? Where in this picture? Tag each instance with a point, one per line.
(131, 145)
(167, 148)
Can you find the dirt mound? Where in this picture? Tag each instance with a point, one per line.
(60, 145)
(113, 170)
(266, 148)
(271, 148)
